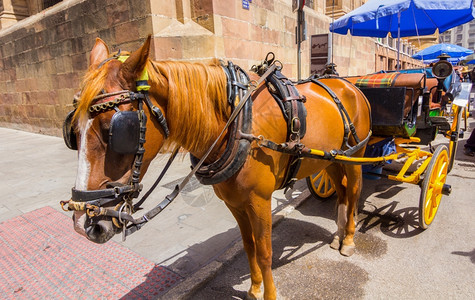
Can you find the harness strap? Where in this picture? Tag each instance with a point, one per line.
(303, 151)
(349, 126)
(158, 114)
(294, 112)
(157, 181)
(86, 196)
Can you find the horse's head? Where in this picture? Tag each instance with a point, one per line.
(112, 120)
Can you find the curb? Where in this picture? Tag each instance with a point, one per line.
(190, 285)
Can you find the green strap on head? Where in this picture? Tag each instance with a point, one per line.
(122, 58)
(141, 82)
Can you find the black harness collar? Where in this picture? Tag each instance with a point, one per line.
(237, 147)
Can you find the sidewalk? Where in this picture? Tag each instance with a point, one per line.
(191, 238)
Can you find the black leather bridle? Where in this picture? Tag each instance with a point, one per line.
(92, 201)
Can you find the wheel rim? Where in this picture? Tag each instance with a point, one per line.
(452, 151)
(321, 184)
(453, 143)
(436, 181)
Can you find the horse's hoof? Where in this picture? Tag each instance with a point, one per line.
(255, 296)
(347, 250)
(335, 243)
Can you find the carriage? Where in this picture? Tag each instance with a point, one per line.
(409, 108)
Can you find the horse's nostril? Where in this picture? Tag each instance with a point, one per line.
(94, 231)
(100, 232)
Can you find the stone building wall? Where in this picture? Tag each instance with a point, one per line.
(43, 57)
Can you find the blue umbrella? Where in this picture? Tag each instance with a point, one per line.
(434, 51)
(470, 62)
(453, 60)
(376, 18)
(404, 18)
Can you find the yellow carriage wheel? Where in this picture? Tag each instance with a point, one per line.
(320, 185)
(432, 185)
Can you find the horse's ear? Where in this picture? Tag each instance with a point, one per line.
(99, 53)
(134, 65)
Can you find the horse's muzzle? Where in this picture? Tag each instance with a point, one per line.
(98, 229)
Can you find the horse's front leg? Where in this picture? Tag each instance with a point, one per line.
(260, 216)
(250, 247)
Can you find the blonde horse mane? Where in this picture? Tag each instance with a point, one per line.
(197, 102)
(91, 86)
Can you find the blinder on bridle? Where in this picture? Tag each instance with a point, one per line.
(124, 132)
(69, 134)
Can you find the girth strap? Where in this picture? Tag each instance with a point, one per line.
(348, 124)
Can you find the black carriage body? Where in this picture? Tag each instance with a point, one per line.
(387, 111)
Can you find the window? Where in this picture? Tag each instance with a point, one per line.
(391, 42)
(459, 38)
(49, 3)
(391, 64)
(310, 3)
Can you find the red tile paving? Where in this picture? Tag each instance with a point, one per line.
(42, 257)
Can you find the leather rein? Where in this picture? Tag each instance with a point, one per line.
(92, 201)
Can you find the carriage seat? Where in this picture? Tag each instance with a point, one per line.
(432, 87)
(413, 82)
(394, 101)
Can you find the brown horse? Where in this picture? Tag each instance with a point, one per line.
(193, 99)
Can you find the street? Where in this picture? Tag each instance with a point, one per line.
(394, 258)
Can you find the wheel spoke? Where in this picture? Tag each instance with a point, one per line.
(320, 185)
(318, 176)
(328, 185)
(428, 198)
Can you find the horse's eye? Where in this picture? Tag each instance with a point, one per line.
(105, 126)
(105, 135)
